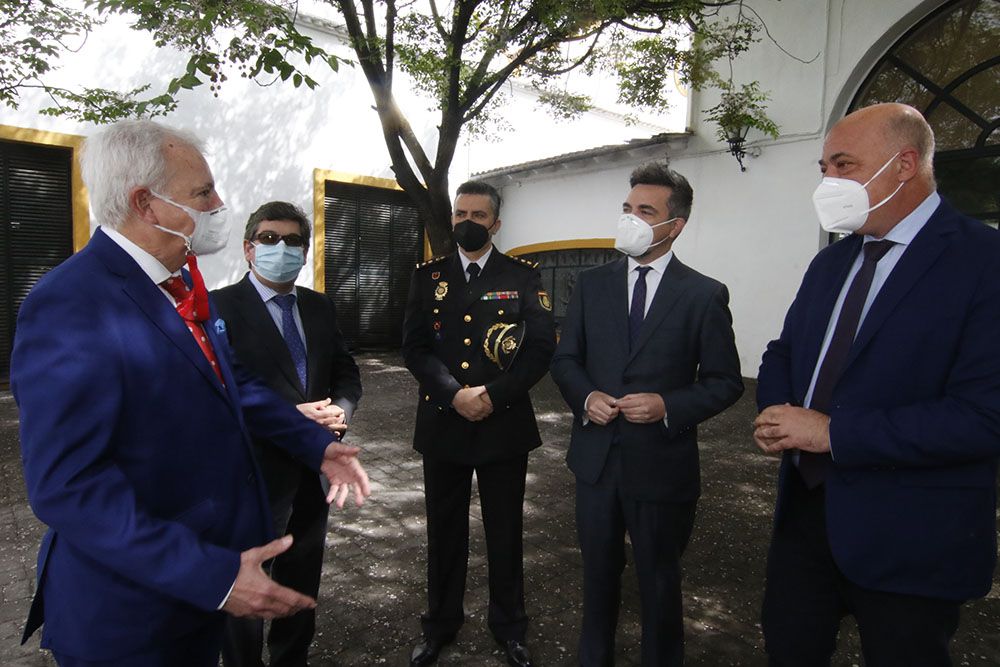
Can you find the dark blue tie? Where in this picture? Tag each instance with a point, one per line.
(290, 332)
(637, 311)
(813, 467)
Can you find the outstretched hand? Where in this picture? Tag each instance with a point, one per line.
(255, 595)
(344, 472)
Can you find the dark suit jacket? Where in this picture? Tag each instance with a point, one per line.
(136, 457)
(443, 338)
(258, 344)
(686, 352)
(915, 417)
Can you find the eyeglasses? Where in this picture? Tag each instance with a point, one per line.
(272, 238)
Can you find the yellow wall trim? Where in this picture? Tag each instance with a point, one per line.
(572, 244)
(320, 177)
(80, 201)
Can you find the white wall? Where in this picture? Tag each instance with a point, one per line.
(265, 142)
(755, 231)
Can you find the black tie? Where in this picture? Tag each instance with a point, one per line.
(637, 311)
(813, 467)
(473, 271)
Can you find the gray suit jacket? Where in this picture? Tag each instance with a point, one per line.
(686, 352)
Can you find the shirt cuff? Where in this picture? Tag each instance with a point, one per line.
(226, 599)
(585, 419)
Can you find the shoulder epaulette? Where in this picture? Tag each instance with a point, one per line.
(520, 260)
(433, 260)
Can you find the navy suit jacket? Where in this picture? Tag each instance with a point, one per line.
(136, 457)
(686, 352)
(915, 416)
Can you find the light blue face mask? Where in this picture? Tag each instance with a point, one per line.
(278, 263)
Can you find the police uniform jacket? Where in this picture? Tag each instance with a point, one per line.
(446, 325)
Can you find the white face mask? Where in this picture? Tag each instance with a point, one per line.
(842, 205)
(634, 237)
(211, 228)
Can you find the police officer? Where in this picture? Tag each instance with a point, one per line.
(478, 334)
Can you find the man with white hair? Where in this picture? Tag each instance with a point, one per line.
(135, 425)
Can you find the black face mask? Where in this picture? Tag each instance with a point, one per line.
(471, 236)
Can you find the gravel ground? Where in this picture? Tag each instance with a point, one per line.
(373, 580)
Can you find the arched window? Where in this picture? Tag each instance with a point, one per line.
(948, 67)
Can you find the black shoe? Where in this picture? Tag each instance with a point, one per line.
(426, 653)
(517, 652)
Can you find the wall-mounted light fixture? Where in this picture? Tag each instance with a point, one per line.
(737, 137)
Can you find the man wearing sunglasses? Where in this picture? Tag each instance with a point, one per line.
(289, 337)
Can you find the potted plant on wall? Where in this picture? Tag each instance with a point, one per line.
(739, 110)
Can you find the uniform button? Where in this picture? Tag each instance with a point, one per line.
(467, 318)
(436, 311)
(467, 341)
(427, 397)
(465, 386)
(465, 365)
(500, 312)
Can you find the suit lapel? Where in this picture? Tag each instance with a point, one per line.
(255, 313)
(917, 259)
(153, 304)
(616, 294)
(825, 299)
(669, 290)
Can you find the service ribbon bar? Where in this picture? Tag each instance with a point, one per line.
(499, 296)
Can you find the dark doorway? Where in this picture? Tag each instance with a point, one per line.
(373, 240)
(36, 226)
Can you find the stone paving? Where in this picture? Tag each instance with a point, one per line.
(373, 582)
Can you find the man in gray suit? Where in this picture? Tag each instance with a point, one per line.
(647, 353)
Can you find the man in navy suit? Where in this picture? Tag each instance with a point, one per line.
(883, 395)
(647, 353)
(134, 426)
(289, 337)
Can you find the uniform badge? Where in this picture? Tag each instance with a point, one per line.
(441, 291)
(435, 275)
(543, 299)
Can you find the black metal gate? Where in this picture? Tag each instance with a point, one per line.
(36, 226)
(373, 240)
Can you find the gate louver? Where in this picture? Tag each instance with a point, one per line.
(373, 239)
(36, 226)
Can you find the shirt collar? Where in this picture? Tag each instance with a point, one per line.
(266, 293)
(907, 228)
(659, 265)
(481, 261)
(149, 264)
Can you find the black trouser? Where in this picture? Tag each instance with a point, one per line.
(807, 595)
(447, 493)
(659, 532)
(300, 509)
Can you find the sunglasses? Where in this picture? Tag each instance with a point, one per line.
(272, 238)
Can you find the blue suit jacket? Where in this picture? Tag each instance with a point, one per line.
(915, 416)
(136, 457)
(686, 352)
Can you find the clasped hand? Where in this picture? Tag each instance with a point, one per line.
(644, 408)
(781, 427)
(473, 403)
(326, 414)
